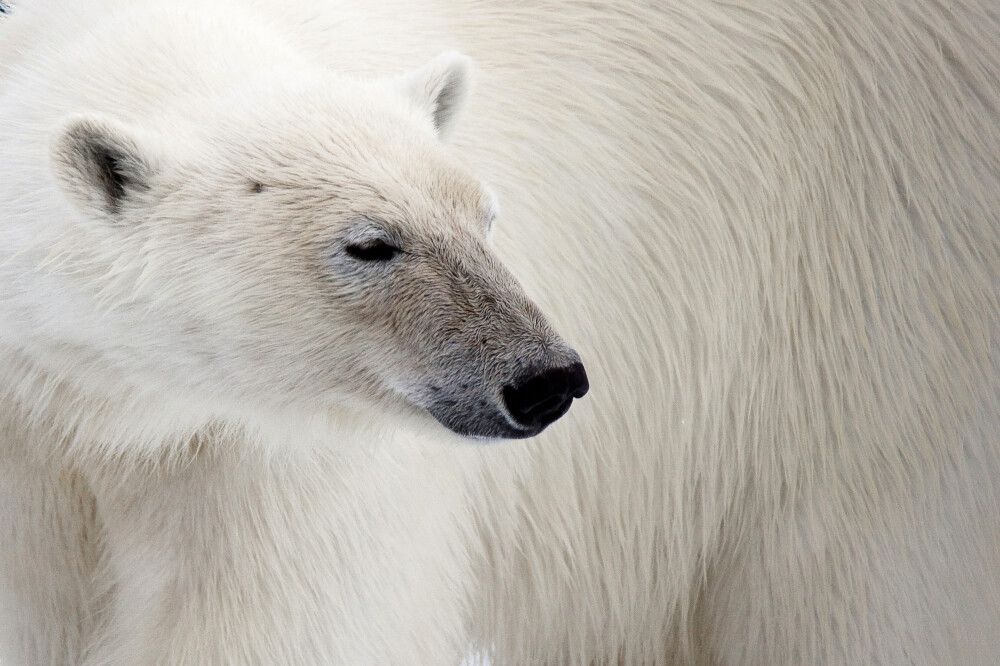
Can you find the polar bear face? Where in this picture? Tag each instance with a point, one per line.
(313, 244)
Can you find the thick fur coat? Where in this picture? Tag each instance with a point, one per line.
(771, 230)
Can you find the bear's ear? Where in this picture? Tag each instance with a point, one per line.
(440, 87)
(100, 163)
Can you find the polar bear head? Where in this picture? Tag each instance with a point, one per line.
(307, 241)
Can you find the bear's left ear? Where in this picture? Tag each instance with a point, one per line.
(440, 87)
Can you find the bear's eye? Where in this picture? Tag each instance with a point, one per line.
(373, 251)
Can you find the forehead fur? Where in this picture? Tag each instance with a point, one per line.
(351, 147)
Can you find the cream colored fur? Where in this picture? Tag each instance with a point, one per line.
(771, 230)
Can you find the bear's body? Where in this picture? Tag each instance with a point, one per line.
(771, 230)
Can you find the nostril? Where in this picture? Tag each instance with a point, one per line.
(544, 397)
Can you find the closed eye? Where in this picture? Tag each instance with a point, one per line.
(372, 251)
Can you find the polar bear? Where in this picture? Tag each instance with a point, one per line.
(229, 279)
(770, 229)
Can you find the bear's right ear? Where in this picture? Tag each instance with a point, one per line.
(100, 164)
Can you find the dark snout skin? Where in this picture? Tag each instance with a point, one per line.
(526, 406)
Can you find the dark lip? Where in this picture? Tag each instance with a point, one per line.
(486, 425)
(492, 426)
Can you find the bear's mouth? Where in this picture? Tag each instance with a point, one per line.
(524, 408)
(489, 422)
(482, 423)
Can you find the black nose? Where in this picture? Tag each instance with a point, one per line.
(542, 398)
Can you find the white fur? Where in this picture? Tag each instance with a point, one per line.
(772, 232)
(164, 500)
